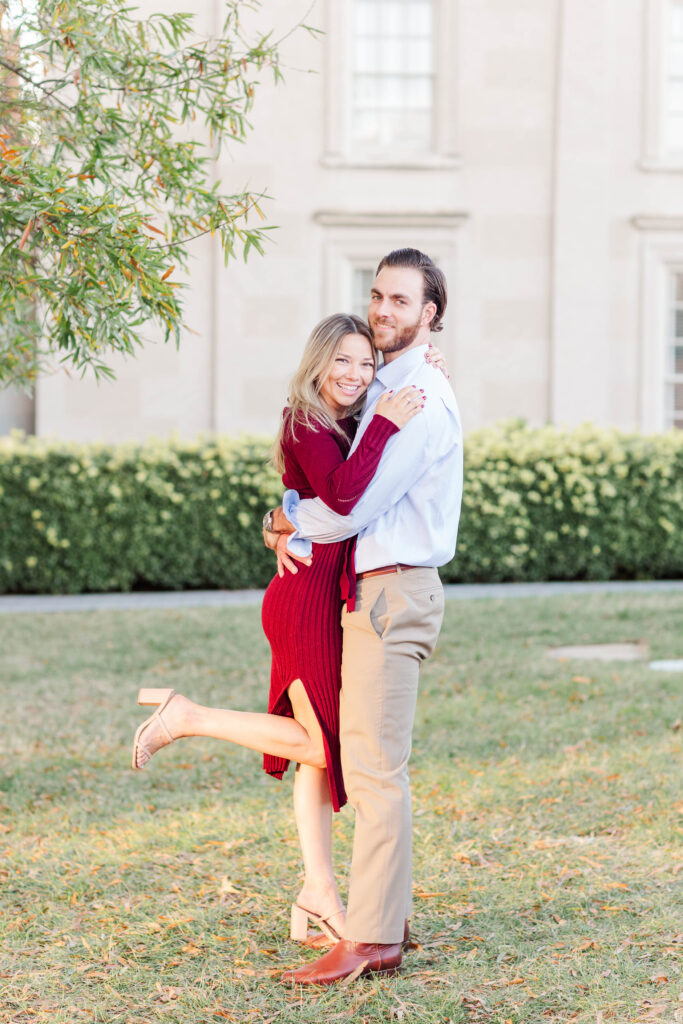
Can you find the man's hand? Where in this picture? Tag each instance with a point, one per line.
(280, 522)
(285, 558)
(270, 539)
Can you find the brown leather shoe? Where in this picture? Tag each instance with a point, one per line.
(345, 959)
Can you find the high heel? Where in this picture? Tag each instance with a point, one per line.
(160, 699)
(299, 925)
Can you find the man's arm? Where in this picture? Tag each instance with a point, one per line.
(405, 459)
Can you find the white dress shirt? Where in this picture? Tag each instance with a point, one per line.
(410, 510)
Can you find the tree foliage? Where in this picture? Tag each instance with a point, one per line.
(110, 124)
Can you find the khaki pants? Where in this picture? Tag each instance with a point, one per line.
(394, 627)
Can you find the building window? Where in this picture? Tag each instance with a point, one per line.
(362, 279)
(673, 88)
(392, 82)
(673, 380)
(663, 94)
(392, 95)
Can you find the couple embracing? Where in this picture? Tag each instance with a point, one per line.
(372, 462)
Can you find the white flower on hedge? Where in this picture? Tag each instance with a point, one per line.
(244, 519)
(214, 494)
(36, 514)
(34, 483)
(582, 530)
(31, 561)
(115, 491)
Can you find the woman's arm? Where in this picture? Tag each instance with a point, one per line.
(340, 482)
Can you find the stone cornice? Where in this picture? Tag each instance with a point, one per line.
(398, 219)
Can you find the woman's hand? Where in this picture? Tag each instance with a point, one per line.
(435, 358)
(401, 406)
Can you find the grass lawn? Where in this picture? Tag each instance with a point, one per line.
(547, 803)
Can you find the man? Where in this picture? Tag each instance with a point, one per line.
(407, 525)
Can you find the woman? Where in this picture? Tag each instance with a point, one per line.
(301, 612)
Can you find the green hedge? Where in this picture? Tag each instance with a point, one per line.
(538, 504)
(551, 504)
(98, 517)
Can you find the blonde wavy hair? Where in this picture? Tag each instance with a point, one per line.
(305, 407)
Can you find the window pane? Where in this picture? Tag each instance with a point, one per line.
(675, 134)
(391, 57)
(365, 91)
(419, 94)
(393, 16)
(676, 96)
(677, 19)
(675, 360)
(419, 57)
(365, 17)
(366, 125)
(420, 19)
(365, 55)
(674, 399)
(678, 323)
(678, 287)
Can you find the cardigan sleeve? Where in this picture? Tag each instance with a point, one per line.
(337, 481)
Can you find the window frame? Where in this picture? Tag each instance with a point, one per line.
(661, 257)
(339, 151)
(359, 240)
(655, 155)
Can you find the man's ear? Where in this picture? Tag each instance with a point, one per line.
(428, 313)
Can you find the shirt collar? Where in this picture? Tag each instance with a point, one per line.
(397, 370)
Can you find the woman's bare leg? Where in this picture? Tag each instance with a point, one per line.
(269, 734)
(313, 814)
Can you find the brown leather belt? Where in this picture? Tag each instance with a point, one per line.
(383, 570)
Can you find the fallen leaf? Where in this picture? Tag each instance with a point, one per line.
(355, 974)
(191, 949)
(585, 945)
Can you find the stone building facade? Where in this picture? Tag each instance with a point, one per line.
(533, 147)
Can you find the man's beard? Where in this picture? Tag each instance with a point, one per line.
(404, 337)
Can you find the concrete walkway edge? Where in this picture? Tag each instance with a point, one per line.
(17, 604)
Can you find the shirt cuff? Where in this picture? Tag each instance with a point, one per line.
(298, 545)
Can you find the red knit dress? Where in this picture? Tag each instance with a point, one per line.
(301, 613)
